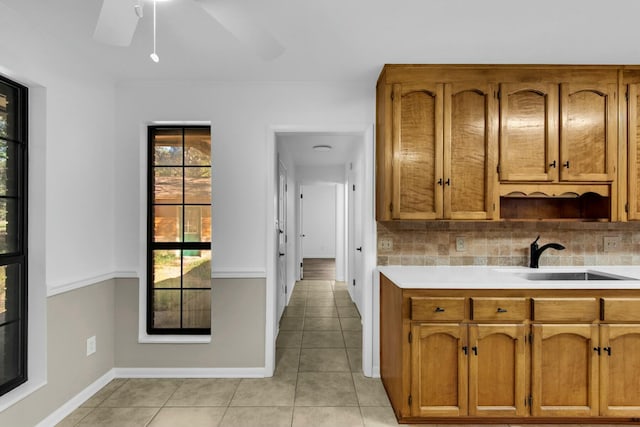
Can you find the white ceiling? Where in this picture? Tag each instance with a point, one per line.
(348, 40)
(299, 146)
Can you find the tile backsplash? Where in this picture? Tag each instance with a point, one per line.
(505, 243)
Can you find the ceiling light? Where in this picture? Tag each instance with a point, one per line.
(322, 147)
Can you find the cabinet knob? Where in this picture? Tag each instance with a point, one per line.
(597, 350)
(552, 164)
(608, 350)
(440, 181)
(566, 164)
(448, 181)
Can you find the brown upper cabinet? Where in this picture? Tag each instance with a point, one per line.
(442, 154)
(456, 141)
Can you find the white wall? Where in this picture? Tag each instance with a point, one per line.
(240, 116)
(319, 221)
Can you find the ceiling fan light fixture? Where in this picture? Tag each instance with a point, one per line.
(154, 56)
(322, 147)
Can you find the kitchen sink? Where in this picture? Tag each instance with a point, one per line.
(570, 275)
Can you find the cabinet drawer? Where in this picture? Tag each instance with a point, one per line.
(565, 309)
(487, 309)
(426, 308)
(621, 309)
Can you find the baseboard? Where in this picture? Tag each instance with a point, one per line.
(72, 404)
(190, 372)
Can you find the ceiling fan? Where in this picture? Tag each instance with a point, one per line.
(118, 20)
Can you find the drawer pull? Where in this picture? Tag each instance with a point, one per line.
(597, 349)
(475, 350)
(439, 310)
(502, 310)
(608, 350)
(465, 349)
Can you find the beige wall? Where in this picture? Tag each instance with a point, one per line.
(72, 317)
(505, 243)
(237, 330)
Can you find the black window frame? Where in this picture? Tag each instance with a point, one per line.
(153, 245)
(19, 256)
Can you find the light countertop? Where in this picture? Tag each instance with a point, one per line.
(496, 277)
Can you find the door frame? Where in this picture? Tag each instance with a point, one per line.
(368, 237)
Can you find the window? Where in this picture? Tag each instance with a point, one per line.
(13, 235)
(179, 231)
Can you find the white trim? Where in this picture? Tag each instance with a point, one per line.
(60, 288)
(174, 339)
(239, 274)
(22, 392)
(189, 372)
(72, 404)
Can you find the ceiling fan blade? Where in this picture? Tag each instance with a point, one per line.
(117, 22)
(249, 32)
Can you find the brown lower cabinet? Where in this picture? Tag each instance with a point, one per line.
(521, 355)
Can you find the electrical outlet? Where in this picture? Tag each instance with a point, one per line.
(91, 345)
(459, 244)
(385, 243)
(611, 243)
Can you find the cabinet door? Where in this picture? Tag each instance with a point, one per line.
(564, 370)
(417, 151)
(438, 370)
(528, 132)
(497, 378)
(620, 370)
(588, 129)
(633, 139)
(470, 150)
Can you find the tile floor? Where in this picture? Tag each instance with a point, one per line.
(318, 380)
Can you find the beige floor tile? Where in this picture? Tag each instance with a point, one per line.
(287, 359)
(348, 311)
(370, 391)
(75, 417)
(204, 392)
(257, 416)
(104, 393)
(278, 390)
(320, 302)
(376, 416)
(325, 389)
(143, 392)
(322, 339)
(297, 302)
(341, 293)
(326, 417)
(350, 323)
(319, 285)
(355, 359)
(192, 417)
(118, 417)
(289, 339)
(326, 311)
(297, 311)
(291, 323)
(352, 339)
(324, 360)
(321, 324)
(340, 286)
(320, 294)
(343, 302)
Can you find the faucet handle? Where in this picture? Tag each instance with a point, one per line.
(536, 241)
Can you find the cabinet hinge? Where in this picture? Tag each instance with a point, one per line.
(530, 400)
(626, 95)
(301, 195)
(410, 400)
(626, 207)
(391, 207)
(392, 96)
(354, 282)
(354, 187)
(410, 336)
(498, 169)
(494, 207)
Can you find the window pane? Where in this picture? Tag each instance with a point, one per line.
(10, 116)
(9, 225)
(196, 306)
(196, 269)
(9, 162)
(10, 352)
(10, 293)
(197, 185)
(166, 312)
(167, 223)
(166, 269)
(197, 143)
(168, 185)
(167, 147)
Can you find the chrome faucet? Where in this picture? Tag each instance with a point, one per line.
(536, 251)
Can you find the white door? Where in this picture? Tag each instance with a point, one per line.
(282, 238)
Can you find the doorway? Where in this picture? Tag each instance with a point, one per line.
(352, 160)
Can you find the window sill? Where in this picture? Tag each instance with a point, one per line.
(20, 393)
(174, 339)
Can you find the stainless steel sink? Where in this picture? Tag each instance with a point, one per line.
(570, 275)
